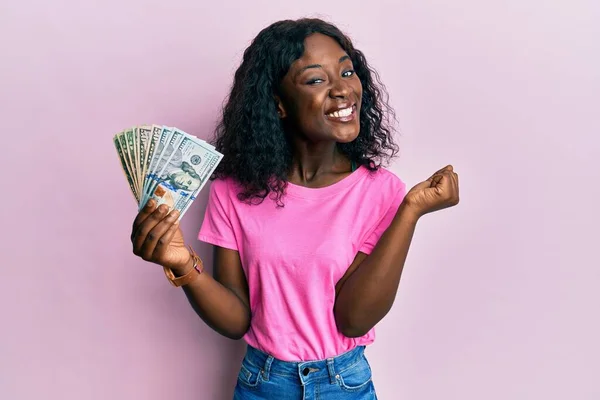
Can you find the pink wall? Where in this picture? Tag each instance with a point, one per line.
(500, 296)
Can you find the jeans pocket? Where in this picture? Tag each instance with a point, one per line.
(357, 377)
(250, 375)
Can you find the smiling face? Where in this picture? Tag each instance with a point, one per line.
(321, 94)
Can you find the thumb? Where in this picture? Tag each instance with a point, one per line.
(421, 186)
(437, 173)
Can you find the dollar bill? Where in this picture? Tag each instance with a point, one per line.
(166, 164)
(124, 165)
(161, 146)
(136, 155)
(174, 140)
(153, 140)
(130, 140)
(124, 147)
(185, 173)
(144, 135)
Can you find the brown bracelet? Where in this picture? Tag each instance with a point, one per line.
(189, 276)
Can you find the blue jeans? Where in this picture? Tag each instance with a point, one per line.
(345, 377)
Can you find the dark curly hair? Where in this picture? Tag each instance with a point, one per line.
(257, 153)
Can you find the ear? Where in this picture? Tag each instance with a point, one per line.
(280, 108)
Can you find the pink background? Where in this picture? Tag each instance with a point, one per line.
(499, 299)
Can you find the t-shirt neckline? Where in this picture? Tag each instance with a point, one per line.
(326, 191)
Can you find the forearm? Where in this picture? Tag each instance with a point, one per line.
(219, 307)
(368, 294)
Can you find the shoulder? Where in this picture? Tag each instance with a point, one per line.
(226, 189)
(386, 181)
(220, 185)
(222, 188)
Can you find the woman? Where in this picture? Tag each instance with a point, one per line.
(310, 232)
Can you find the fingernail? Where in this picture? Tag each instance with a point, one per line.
(150, 203)
(175, 213)
(163, 208)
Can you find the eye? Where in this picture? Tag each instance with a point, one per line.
(315, 81)
(347, 74)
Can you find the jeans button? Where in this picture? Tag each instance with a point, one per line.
(305, 371)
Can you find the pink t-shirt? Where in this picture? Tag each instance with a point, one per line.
(293, 256)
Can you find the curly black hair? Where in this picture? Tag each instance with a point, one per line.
(257, 153)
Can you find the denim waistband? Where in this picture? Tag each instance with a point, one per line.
(306, 371)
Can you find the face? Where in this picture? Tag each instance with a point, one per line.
(321, 94)
(184, 181)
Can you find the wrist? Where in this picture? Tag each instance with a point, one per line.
(408, 213)
(182, 269)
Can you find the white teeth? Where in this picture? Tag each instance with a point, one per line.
(341, 113)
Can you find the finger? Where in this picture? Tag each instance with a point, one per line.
(455, 178)
(450, 186)
(452, 177)
(156, 234)
(140, 235)
(446, 168)
(436, 180)
(142, 215)
(163, 242)
(421, 185)
(456, 186)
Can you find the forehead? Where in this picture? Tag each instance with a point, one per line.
(319, 49)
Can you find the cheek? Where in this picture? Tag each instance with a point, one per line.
(308, 112)
(310, 104)
(358, 89)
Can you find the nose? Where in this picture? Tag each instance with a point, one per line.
(339, 89)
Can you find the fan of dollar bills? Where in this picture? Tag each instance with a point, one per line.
(165, 164)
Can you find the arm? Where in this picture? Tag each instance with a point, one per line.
(221, 300)
(367, 291)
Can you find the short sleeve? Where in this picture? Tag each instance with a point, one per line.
(216, 227)
(386, 220)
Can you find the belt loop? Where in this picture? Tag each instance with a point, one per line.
(267, 368)
(331, 369)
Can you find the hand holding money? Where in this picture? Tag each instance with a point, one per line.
(166, 168)
(157, 237)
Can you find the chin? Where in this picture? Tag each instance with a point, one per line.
(346, 137)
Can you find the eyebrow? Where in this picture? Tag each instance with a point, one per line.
(312, 66)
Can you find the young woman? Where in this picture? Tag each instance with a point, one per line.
(310, 232)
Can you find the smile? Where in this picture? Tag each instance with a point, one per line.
(343, 115)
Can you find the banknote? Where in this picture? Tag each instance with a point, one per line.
(184, 174)
(165, 164)
(125, 166)
(161, 146)
(130, 143)
(143, 134)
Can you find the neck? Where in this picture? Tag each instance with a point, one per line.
(313, 160)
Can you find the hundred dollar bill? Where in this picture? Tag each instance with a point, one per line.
(160, 147)
(124, 165)
(144, 133)
(210, 166)
(185, 173)
(130, 138)
(136, 155)
(174, 140)
(153, 139)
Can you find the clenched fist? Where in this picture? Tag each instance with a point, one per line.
(438, 192)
